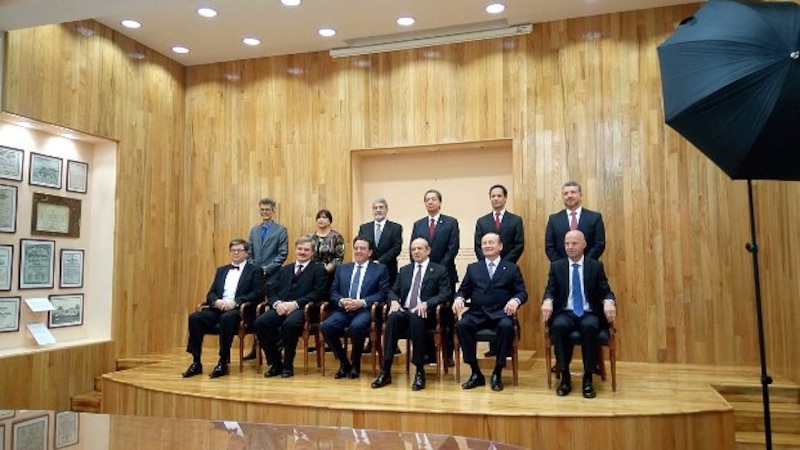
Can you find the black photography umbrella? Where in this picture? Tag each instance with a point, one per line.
(731, 85)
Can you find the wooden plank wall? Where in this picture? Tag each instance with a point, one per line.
(581, 99)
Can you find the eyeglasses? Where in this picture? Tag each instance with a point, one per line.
(237, 250)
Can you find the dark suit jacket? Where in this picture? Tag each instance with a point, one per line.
(270, 253)
(512, 235)
(388, 249)
(590, 223)
(490, 295)
(445, 243)
(307, 287)
(249, 290)
(373, 289)
(595, 285)
(435, 286)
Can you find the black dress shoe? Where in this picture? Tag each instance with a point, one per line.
(273, 371)
(474, 381)
(220, 370)
(491, 353)
(354, 373)
(287, 372)
(588, 390)
(383, 379)
(497, 382)
(342, 372)
(564, 388)
(194, 369)
(419, 382)
(250, 356)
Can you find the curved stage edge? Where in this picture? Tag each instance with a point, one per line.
(656, 406)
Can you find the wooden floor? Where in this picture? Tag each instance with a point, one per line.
(676, 402)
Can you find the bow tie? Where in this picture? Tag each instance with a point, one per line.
(234, 267)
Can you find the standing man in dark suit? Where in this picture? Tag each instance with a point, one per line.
(269, 241)
(496, 289)
(419, 289)
(387, 236)
(577, 297)
(234, 285)
(507, 225)
(574, 217)
(289, 291)
(356, 287)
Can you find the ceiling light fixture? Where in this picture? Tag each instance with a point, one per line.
(128, 23)
(251, 41)
(454, 38)
(137, 56)
(326, 32)
(84, 31)
(405, 21)
(180, 49)
(207, 12)
(495, 8)
(290, 2)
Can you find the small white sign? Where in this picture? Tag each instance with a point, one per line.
(39, 304)
(41, 334)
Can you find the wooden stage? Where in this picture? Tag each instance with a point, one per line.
(656, 406)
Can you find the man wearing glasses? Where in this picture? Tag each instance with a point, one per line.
(234, 284)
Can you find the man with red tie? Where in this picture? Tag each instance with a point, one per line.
(574, 217)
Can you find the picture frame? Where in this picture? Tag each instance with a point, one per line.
(77, 176)
(6, 266)
(8, 208)
(36, 261)
(67, 429)
(71, 268)
(53, 215)
(30, 434)
(11, 163)
(45, 170)
(7, 413)
(68, 312)
(9, 314)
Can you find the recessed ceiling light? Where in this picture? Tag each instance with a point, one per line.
(85, 31)
(290, 2)
(326, 32)
(180, 49)
(495, 8)
(128, 23)
(405, 21)
(251, 41)
(207, 12)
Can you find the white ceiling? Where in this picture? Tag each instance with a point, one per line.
(287, 30)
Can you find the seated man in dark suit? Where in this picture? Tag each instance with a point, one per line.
(419, 288)
(356, 287)
(289, 291)
(577, 297)
(496, 290)
(234, 284)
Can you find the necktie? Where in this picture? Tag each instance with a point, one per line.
(378, 232)
(431, 228)
(573, 221)
(356, 283)
(298, 269)
(264, 231)
(414, 299)
(491, 269)
(234, 267)
(497, 221)
(577, 293)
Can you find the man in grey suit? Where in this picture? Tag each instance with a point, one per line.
(269, 241)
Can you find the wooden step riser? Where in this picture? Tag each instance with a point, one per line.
(755, 440)
(90, 402)
(780, 423)
(777, 394)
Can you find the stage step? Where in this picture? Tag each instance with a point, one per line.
(90, 402)
(749, 416)
(752, 393)
(748, 412)
(753, 440)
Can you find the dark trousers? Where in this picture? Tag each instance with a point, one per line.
(562, 326)
(406, 323)
(357, 324)
(271, 328)
(468, 327)
(204, 322)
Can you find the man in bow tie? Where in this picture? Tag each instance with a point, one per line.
(234, 285)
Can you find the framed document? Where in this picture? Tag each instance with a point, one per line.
(11, 163)
(9, 314)
(30, 434)
(77, 176)
(67, 425)
(71, 267)
(68, 312)
(45, 171)
(7, 413)
(36, 261)
(55, 216)
(8, 209)
(6, 265)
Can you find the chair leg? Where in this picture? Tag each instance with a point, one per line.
(257, 348)
(305, 351)
(408, 355)
(321, 348)
(612, 355)
(457, 355)
(241, 349)
(548, 356)
(515, 365)
(602, 362)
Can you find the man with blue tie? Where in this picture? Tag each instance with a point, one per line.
(234, 285)
(496, 289)
(577, 297)
(269, 241)
(356, 287)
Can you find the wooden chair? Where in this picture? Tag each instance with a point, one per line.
(244, 329)
(374, 332)
(311, 321)
(443, 323)
(605, 338)
(489, 335)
